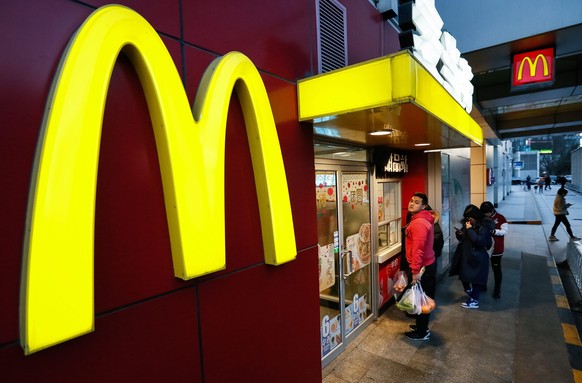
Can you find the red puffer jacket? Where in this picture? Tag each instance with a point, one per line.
(419, 241)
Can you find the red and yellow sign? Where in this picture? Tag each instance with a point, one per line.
(533, 67)
(57, 298)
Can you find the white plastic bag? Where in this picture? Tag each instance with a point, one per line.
(401, 281)
(415, 301)
(408, 299)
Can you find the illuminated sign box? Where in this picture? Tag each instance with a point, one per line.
(535, 68)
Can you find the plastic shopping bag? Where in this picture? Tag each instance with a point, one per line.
(408, 299)
(427, 304)
(411, 300)
(401, 281)
(415, 301)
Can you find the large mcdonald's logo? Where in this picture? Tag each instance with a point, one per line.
(57, 277)
(534, 72)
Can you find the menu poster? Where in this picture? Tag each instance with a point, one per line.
(330, 334)
(359, 245)
(355, 312)
(326, 266)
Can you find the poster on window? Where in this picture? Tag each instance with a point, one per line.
(326, 266)
(331, 335)
(356, 312)
(359, 246)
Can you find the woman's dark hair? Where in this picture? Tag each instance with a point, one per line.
(472, 211)
(562, 192)
(487, 207)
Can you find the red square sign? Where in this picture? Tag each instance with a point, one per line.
(533, 67)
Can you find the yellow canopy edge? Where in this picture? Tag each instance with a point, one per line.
(385, 81)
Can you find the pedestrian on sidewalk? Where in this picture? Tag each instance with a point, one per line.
(548, 182)
(562, 181)
(499, 233)
(540, 184)
(419, 253)
(561, 211)
(471, 260)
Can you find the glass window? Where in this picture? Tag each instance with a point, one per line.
(389, 219)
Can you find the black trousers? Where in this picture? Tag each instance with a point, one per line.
(428, 283)
(497, 274)
(562, 219)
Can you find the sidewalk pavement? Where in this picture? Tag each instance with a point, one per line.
(529, 335)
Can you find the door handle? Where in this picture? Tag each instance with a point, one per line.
(347, 263)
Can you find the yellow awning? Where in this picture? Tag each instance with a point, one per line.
(393, 93)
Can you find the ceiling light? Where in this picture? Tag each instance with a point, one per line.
(423, 144)
(383, 132)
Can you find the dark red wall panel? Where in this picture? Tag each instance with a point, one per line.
(32, 44)
(276, 35)
(415, 180)
(364, 31)
(267, 314)
(164, 16)
(153, 341)
(133, 259)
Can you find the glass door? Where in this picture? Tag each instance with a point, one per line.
(345, 256)
(356, 253)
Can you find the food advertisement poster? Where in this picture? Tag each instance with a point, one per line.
(330, 334)
(326, 266)
(355, 313)
(359, 246)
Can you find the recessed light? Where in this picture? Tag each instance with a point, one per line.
(380, 132)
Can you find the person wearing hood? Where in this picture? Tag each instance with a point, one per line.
(471, 260)
(419, 253)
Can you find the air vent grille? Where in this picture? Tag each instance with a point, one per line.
(332, 45)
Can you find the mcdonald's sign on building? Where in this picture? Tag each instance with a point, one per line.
(533, 68)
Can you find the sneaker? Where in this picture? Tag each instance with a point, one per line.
(416, 335)
(413, 328)
(552, 238)
(496, 295)
(574, 238)
(470, 304)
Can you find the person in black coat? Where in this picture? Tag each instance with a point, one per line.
(471, 260)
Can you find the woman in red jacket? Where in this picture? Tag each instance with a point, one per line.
(419, 253)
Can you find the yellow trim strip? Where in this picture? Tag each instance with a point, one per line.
(385, 81)
(562, 302)
(571, 334)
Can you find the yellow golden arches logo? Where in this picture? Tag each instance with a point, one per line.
(57, 277)
(533, 66)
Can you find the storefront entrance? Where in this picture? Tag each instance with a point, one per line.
(345, 255)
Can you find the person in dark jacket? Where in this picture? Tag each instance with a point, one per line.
(471, 260)
(548, 182)
(499, 233)
(439, 240)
